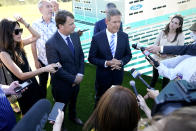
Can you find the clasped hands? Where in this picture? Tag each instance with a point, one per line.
(114, 64)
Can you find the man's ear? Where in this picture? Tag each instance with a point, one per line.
(60, 26)
(40, 10)
(106, 21)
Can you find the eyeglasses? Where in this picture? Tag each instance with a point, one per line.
(17, 31)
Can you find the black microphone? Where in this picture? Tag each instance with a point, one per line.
(80, 32)
(146, 53)
(36, 118)
(84, 30)
(132, 84)
(136, 74)
(135, 46)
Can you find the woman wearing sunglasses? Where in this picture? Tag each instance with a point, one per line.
(13, 57)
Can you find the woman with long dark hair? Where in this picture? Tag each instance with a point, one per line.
(117, 110)
(13, 57)
(172, 35)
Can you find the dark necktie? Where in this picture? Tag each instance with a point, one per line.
(70, 45)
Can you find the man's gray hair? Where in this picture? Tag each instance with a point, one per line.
(110, 6)
(40, 3)
(112, 12)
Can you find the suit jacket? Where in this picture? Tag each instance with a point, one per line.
(101, 25)
(58, 51)
(100, 52)
(180, 50)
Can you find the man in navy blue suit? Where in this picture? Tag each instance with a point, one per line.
(109, 51)
(65, 47)
(101, 24)
(177, 50)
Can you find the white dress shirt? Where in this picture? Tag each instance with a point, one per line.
(65, 37)
(184, 65)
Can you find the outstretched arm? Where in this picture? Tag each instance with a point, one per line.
(13, 67)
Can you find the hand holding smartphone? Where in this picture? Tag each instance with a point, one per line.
(53, 114)
(58, 66)
(22, 86)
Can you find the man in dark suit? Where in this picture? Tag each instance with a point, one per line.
(109, 51)
(101, 24)
(177, 50)
(65, 47)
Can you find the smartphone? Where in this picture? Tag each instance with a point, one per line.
(58, 66)
(22, 86)
(53, 114)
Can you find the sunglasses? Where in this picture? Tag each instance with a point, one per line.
(17, 31)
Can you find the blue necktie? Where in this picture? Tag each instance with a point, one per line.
(112, 44)
(70, 45)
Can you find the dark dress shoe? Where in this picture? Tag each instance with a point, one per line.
(77, 121)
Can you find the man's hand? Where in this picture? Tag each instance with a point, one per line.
(154, 49)
(115, 67)
(10, 89)
(116, 64)
(109, 63)
(78, 79)
(13, 85)
(151, 94)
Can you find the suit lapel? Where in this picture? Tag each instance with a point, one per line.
(106, 45)
(118, 44)
(74, 44)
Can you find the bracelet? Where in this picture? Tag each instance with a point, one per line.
(28, 25)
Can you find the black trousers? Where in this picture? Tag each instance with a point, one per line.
(100, 90)
(43, 79)
(155, 77)
(70, 102)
